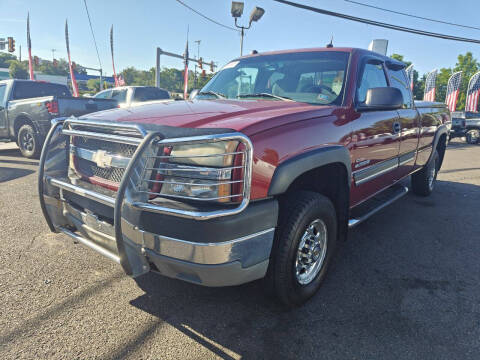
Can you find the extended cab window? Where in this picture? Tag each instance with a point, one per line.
(398, 79)
(373, 76)
(32, 89)
(311, 77)
(146, 94)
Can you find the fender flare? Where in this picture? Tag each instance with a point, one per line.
(286, 173)
(442, 129)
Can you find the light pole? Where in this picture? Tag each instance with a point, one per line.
(53, 54)
(237, 11)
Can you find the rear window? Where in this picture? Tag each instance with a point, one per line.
(146, 94)
(31, 89)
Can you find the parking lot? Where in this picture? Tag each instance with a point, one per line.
(405, 286)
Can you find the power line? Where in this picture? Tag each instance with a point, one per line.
(206, 17)
(93, 35)
(413, 16)
(380, 24)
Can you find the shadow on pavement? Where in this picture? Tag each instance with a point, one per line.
(7, 174)
(400, 287)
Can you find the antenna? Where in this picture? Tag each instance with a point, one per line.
(330, 45)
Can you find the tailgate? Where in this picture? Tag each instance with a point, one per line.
(81, 106)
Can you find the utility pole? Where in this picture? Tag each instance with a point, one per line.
(20, 53)
(157, 68)
(198, 57)
(53, 54)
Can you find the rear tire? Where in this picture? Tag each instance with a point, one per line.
(304, 245)
(472, 136)
(29, 142)
(423, 181)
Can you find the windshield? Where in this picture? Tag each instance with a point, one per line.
(311, 77)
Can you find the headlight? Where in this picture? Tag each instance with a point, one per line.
(203, 171)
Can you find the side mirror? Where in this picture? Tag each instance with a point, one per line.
(382, 98)
(193, 94)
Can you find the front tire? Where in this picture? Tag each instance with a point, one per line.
(29, 142)
(423, 181)
(304, 245)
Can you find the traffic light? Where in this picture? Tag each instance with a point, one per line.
(55, 62)
(11, 44)
(200, 63)
(36, 60)
(74, 65)
(204, 74)
(212, 67)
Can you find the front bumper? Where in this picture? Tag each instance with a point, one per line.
(217, 251)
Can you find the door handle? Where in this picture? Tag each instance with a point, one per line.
(397, 127)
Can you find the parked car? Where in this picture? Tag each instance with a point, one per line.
(466, 124)
(260, 176)
(27, 108)
(132, 95)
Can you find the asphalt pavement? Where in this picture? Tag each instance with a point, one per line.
(405, 286)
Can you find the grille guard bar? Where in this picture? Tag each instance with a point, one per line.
(131, 255)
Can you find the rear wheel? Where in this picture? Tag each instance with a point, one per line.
(472, 136)
(423, 181)
(29, 142)
(304, 245)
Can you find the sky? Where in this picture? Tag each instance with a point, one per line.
(140, 26)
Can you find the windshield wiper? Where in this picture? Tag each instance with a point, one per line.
(209, 92)
(284, 98)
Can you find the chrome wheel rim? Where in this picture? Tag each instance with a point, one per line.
(311, 252)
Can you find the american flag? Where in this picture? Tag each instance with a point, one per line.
(453, 87)
(409, 71)
(429, 93)
(185, 76)
(29, 46)
(472, 93)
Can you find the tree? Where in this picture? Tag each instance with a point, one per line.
(18, 70)
(5, 59)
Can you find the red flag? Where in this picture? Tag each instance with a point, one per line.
(117, 83)
(29, 45)
(185, 76)
(72, 74)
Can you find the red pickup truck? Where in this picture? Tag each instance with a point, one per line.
(260, 176)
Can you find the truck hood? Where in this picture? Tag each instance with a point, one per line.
(248, 116)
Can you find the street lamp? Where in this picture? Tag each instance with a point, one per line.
(237, 11)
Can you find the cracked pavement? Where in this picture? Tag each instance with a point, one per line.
(405, 286)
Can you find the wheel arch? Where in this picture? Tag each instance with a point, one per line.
(21, 120)
(326, 171)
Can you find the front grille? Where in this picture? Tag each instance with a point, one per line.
(126, 150)
(90, 169)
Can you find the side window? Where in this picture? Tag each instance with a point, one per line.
(104, 94)
(373, 76)
(119, 95)
(398, 79)
(2, 94)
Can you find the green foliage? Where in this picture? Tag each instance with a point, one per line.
(5, 59)
(171, 79)
(18, 70)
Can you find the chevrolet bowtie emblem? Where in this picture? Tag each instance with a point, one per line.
(102, 159)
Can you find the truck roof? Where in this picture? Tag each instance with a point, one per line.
(324, 49)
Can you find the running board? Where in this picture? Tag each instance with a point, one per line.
(377, 203)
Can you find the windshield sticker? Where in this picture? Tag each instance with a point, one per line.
(231, 65)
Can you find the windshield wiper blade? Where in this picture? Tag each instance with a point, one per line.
(209, 92)
(284, 98)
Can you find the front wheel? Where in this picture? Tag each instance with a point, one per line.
(472, 136)
(423, 181)
(304, 246)
(29, 142)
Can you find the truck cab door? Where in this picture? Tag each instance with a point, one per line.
(409, 122)
(375, 137)
(3, 111)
